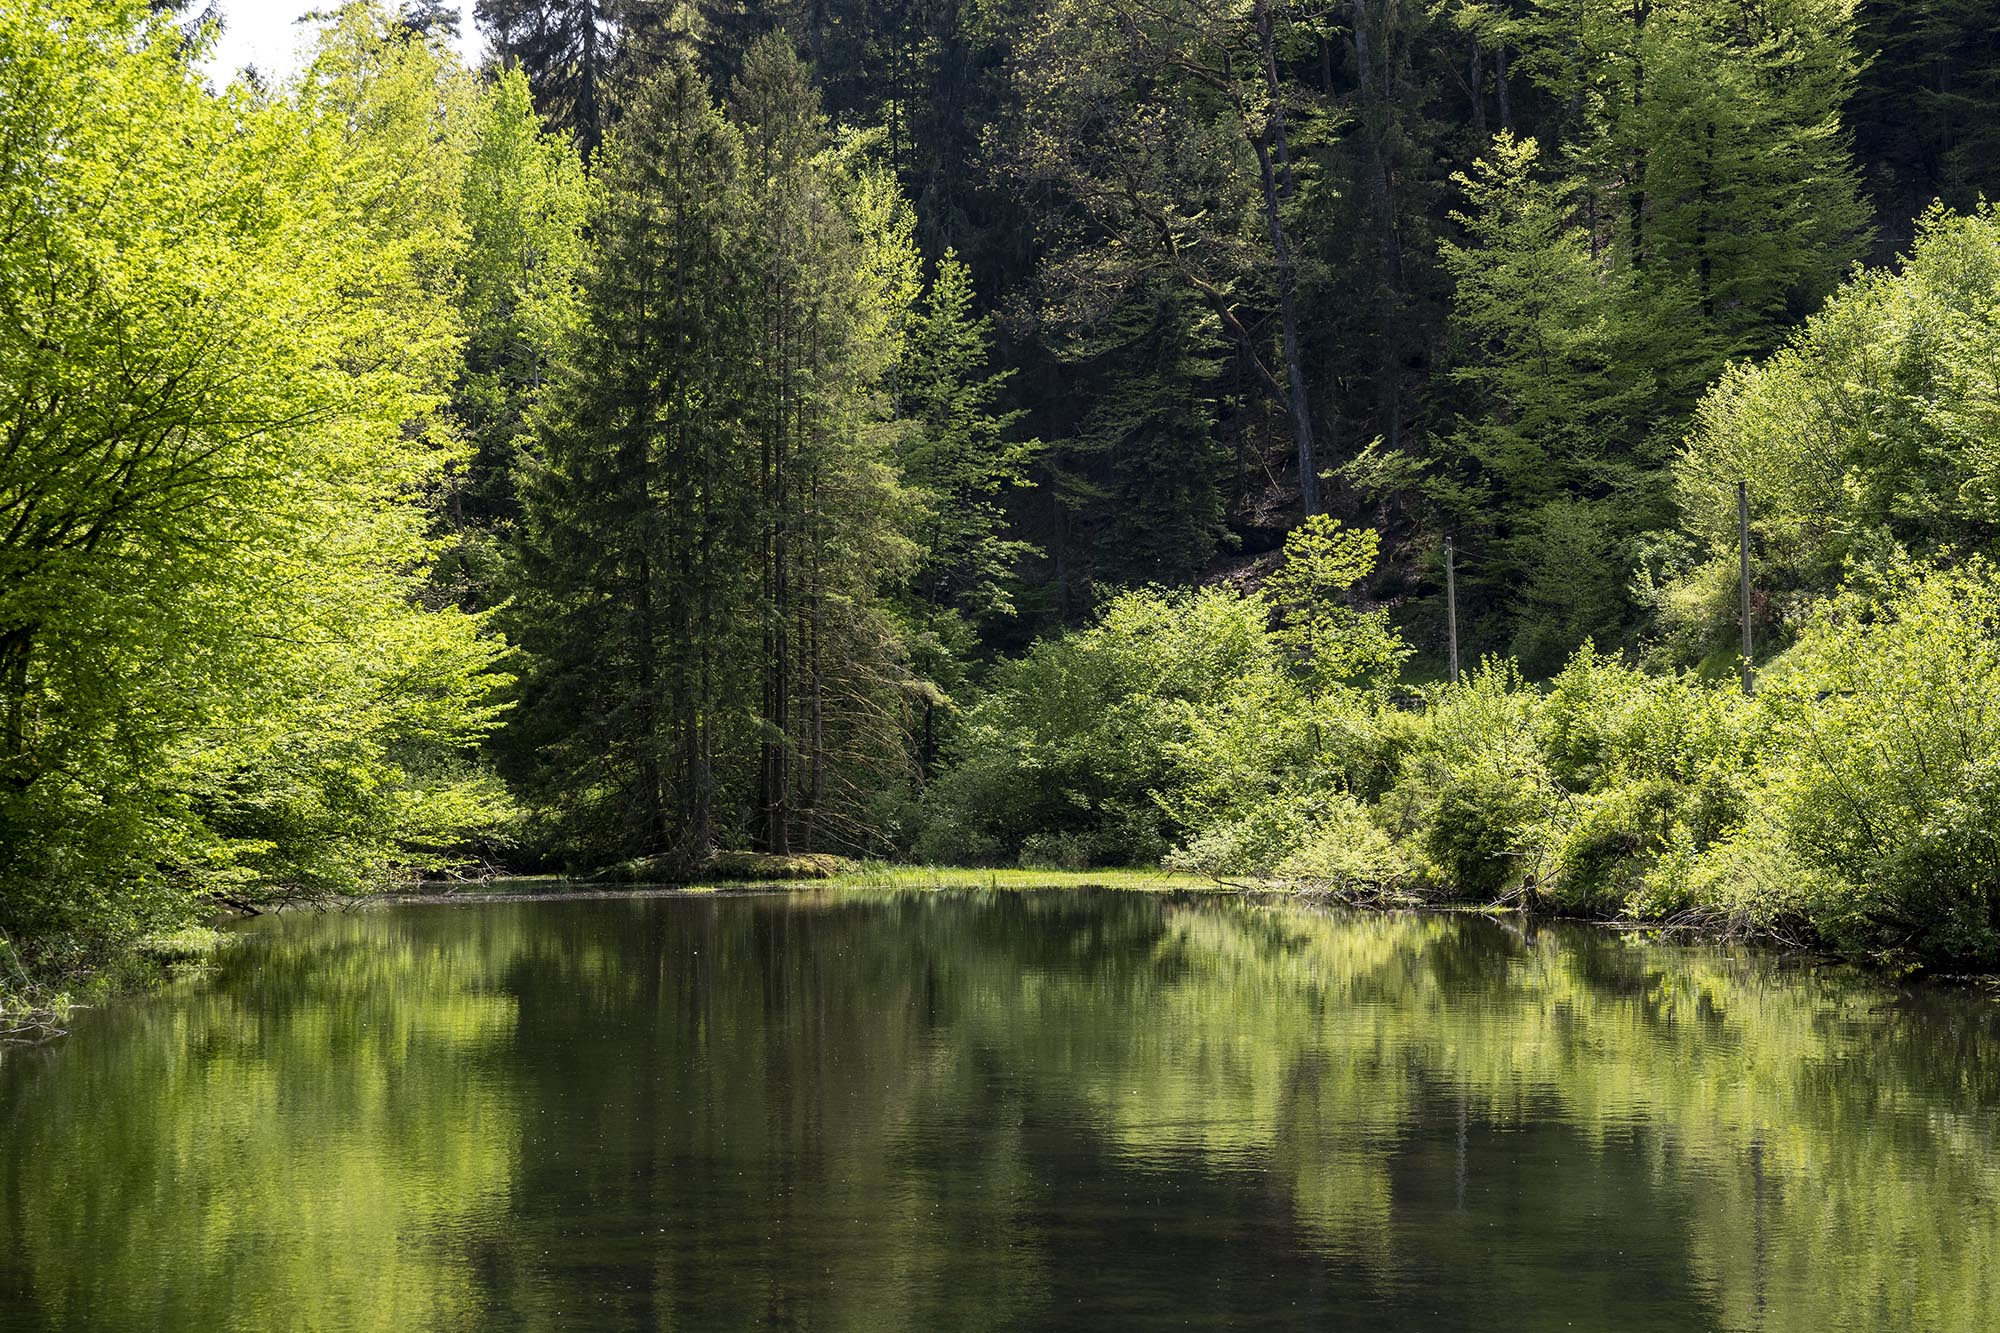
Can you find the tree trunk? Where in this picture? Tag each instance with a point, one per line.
(645, 646)
(16, 653)
(1277, 184)
(1376, 110)
(1638, 201)
(1476, 77)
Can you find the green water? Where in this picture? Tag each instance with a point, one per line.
(1026, 1110)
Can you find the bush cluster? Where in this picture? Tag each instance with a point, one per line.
(1852, 802)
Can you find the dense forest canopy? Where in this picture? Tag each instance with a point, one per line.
(1003, 430)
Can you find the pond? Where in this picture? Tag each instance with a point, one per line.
(1000, 1110)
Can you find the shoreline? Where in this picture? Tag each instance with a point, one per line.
(34, 1025)
(1673, 933)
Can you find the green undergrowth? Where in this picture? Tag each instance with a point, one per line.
(1851, 805)
(42, 989)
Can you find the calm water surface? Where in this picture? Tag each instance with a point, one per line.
(937, 1111)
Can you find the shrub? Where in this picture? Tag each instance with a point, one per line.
(1071, 742)
(1345, 849)
(1473, 790)
(1649, 766)
(1884, 781)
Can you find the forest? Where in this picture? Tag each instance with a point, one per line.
(1007, 433)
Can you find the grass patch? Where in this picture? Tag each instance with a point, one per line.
(1137, 879)
(873, 875)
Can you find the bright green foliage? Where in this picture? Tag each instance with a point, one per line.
(1332, 643)
(1654, 770)
(1174, 715)
(1884, 785)
(1699, 201)
(1872, 432)
(1063, 756)
(1716, 158)
(1852, 802)
(524, 209)
(225, 328)
(1473, 787)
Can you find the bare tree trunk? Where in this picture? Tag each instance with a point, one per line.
(1475, 77)
(16, 653)
(1374, 85)
(1640, 10)
(1277, 186)
(652, 794)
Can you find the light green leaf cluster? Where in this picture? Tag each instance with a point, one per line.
(1851, 803)
(225, 330)
(1332, 642)
(1175, 715)
(1871, 433)
(1882, 776)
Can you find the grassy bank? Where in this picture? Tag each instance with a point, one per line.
(37, 1000)
(864, 876)
(1851, 805)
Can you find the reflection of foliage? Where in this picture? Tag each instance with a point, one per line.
(901, 1110)
(294, 1124)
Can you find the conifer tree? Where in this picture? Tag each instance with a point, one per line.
(1150, 439)
(959, 455)
(713, 491)
(1551, 436)
(1717, 166)
(830, 508)
(568, 49)
(1926, 113)
(639, 501)
(523, 204)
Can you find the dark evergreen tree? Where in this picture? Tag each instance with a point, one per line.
(640, 500)
(1151, 437)
(1926, 111)
(960, 457)
(569, 49)
(430, 18)
(829, 500)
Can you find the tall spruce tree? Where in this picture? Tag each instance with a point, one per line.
(959, 456)
(828, 516)
(640, 501)
(1545, 477)
(713, 488)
